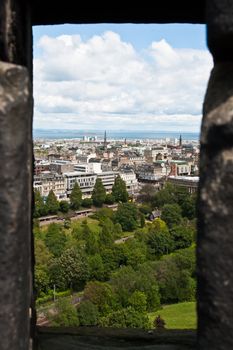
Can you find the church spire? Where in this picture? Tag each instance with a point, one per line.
(105, 141)
(180, 141)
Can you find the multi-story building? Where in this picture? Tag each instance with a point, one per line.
(40, 166)
(44, 183)
(180, 168)
(108, 179)
(88, 167)
(61, 166)
(152, 172)
(86, 182)
(189, 182)
(129, 176)
(156, 153)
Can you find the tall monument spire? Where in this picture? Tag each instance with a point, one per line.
(180, 141)
(105, 141)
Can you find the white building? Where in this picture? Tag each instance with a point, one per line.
(88, 167)
(86, 182)
(44, 183)
(108, 179)
(130, 179)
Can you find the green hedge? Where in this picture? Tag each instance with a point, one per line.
(49, 297)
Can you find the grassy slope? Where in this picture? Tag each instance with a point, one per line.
(93, 224)
(178, 316)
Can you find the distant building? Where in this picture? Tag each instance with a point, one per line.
(86, 182)
(189, 182)
(44, 183)
(152, 172)
(180, 141)
(88, 167)
(180, 168)
(40, 166)
(155, 214)
(61, 166)
(108, 179)
(129, 176)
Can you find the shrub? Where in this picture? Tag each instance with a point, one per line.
(87, 202)
(88, 313)
(159, 322)
(64, 315)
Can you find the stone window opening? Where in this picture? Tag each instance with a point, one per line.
(215, 202)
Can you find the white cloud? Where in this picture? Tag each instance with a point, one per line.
(105, 83)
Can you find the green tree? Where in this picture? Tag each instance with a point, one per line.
(185, 259)
(55, 239)
(64, 315)
(41, 279)
(42, 253)
(91, 239)
(106, 235)
(119, 190)
(188, 207)
(64, 206)
(147, 194)
(176, 283)
(123, 283)
(159, 239)
(110, 199)
(99, 193)
(74, 269)
(182, 236)
(40, 208)
(138, 301)
(87, 202)
(127, 215)
(88, 313)
(55, 275)
(171, 214)
(142, 220)
(96, 267)
(164, 196)
(52, 203)
(76, 197)
(135, 252)
(126, 318)
(117, 230)
(101, 295)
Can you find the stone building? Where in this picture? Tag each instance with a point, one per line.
(61, 166)
(129, 176)
(156, 153)
(44, 183)
(189, 182)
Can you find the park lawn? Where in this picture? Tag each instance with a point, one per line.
(178, 316)
(92, 223)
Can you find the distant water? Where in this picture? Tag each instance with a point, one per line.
(52, 134)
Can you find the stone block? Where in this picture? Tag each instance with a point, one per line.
(15, 206)
(215, 229)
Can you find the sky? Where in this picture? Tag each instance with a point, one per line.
(120, 76)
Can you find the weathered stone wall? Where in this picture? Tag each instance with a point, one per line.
(215, 207)
(15, 212)
(15, 174)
